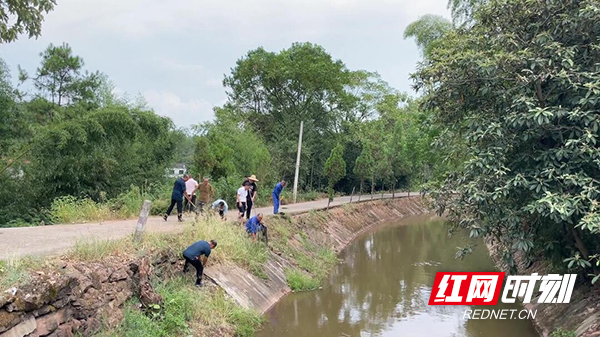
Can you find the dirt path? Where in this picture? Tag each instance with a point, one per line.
(56, 239)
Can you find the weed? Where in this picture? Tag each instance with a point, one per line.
(300, 281)
(560, 332)
(15, 272)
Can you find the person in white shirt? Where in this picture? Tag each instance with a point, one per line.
(190, 201)
(242, 194)
(220, 206)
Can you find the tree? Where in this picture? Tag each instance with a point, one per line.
(60, 77)
(518, 94)
(364, 168)
(274, 92)
(427, 31)
(22, 16)
(335, 169)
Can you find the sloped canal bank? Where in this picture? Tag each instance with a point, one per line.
(382, 287)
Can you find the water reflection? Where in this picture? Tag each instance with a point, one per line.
(382, 288)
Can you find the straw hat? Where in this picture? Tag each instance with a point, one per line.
(253, 178)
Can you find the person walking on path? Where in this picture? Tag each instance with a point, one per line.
(189, 204)
(177, 198)
(276, 195)
(193, 255)
(242, 194)
(220, 205)
(253, 189)
(254, 225)
(207, 192)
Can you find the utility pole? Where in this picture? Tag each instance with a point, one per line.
(298, 162)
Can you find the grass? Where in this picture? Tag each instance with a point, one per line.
(187, 310)
(300, 281)
(16, 271)
(70, 209)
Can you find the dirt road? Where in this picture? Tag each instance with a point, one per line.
(56, 239)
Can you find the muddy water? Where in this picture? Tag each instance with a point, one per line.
(382, 287)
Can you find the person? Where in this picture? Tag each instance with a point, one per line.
(254, 225)
(277, 195)
(206, 194)
(242, 194)
(177, 197)
(253, 189)
(193, 255)
(221, 206)
(189, 204)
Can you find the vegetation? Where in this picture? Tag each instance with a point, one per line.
(187, 311)
(335, 168)
(515, 94)
(72, 151)
(22, 17)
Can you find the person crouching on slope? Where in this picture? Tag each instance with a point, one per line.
(193, 255)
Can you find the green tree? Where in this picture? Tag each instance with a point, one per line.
(276, 91)
(518, 94)
(335, 168)
(60, 77)
(364, 168)
(427, 31)
(22, 17)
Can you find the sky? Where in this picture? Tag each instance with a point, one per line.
(176, 53)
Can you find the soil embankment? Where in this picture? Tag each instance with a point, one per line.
(83, 297)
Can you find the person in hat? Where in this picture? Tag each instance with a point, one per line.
(252, 190)
(194, 254)
(276, 195)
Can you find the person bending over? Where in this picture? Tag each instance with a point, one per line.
(220, 206)
(194, 254)
(255, 226)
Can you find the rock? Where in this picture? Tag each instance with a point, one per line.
(9, 319)
(46, 309)
(43, 290)
(118, 275)
(6, 297)
(24, 328)
(48, 323)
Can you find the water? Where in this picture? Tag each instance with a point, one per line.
(382, 288)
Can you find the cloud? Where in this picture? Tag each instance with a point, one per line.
(182, 112)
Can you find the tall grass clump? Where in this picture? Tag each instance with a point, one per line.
(233, 244)
(300, 281)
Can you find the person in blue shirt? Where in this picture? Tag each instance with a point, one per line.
(276, 195)
(194, 255)
(254, 225)
(177, 197)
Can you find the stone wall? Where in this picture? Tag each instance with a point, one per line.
(79, 298)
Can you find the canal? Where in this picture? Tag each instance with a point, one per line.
(382, 285)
